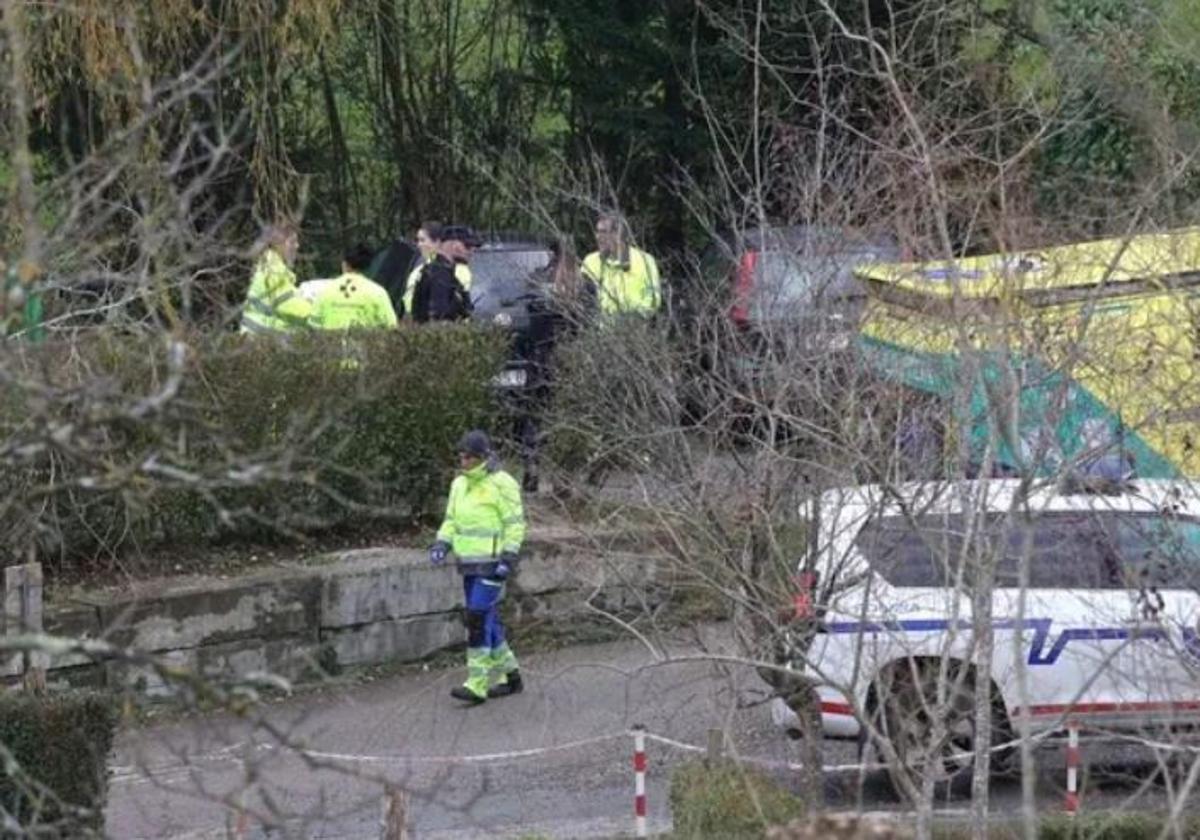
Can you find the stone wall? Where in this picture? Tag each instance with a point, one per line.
(351, 608)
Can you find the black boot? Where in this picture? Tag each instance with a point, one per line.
(461, 692)
(511, 685)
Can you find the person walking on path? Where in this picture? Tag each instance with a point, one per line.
(484, 528)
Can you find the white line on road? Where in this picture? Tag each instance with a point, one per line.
(132, 774)
(460, 759)
(766, 762)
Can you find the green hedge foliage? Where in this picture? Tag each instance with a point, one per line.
(53, 762)
(619, 392)
(264, 437)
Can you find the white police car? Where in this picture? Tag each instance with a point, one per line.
(1104, 632)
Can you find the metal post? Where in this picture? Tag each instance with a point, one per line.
(241, 819)
(716, 746)
(639, 781)
(395, 814)
(1072, 803)
(23, 615)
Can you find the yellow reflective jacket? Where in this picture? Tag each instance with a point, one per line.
(352, 301)
(632, 286)
(462, 273)
(273, 303)
(410, 286)
(484, 517)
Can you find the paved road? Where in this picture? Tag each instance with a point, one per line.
(178, 779)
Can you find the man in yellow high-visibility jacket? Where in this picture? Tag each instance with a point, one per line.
(626, 278)
(484, 528)
(273, 303)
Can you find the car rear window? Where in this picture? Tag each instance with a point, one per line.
(1105, 550)
(787, 279)
(502, 275)
(504, 267)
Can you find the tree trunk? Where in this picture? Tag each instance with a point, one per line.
(341, 155)
(678, 28)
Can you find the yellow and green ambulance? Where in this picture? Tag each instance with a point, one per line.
(1055, 355)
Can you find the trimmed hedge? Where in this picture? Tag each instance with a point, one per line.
(284, 437)
(53, 762)
(618, 388)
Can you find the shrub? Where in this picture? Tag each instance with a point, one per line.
(263, 437)
(53, 761)
(1109, 826)
(725, 799)
(840, 827)
(618, 388)
(1100, 825)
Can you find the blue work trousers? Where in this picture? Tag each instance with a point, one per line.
(482, 597)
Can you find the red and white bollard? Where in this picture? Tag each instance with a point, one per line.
(639, 781)
(1072, 803)
(241, 820)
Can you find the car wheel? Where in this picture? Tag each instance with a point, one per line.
(930, 738)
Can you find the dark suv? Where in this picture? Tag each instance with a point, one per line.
(794, 285)
(509, 277)
(775, 317)
(509, 288)
(508, 280)
(503, 269)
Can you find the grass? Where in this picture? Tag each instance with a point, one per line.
(732, 802)
(727, 800)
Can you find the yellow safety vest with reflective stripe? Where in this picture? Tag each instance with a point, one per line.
(410, 286)
(273, 303)
(352, 300)
(484, 517)
(462, 273)
(630, 287)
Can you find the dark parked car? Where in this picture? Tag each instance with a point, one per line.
(795, 284)
(509, 275)
(776, 314)
(509, 288)
(391, 268)
(501, 271)
(508, 280)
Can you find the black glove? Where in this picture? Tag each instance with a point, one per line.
(506, 565)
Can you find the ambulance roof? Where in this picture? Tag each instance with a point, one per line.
(1041, 272)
